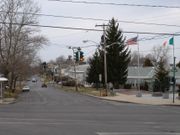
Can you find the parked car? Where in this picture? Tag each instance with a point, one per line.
(26, 88)
(44, 85)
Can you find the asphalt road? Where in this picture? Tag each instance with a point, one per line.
(49, 111)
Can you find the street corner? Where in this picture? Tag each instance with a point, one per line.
(146, 99)
(7, 101)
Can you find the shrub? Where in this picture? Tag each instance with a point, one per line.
(69, 83)
(127, 86)
(144, 86)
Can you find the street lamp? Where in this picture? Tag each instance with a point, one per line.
(105, 60)
(85, 41)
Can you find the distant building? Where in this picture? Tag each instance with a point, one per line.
(80, 72)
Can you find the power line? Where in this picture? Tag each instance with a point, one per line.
(116, 4)
(54, 27)
(154, 38)
(98, 19)
(152, 50)
(90, 29)
(151, 33)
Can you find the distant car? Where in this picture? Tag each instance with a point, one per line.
(26, 88)
(44, 85)
(34, 80)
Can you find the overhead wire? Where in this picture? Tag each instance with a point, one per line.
(162, 17)
(98, 19)
(91, 29)
(153, 38)
(141, 39)
(116, 4)
(152, 50)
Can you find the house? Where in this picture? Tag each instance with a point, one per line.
(80, 72)
(145, 74)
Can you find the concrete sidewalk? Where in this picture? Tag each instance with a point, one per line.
(145, 99)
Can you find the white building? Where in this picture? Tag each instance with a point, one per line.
(145, 74)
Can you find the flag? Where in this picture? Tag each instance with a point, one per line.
(165, 43)
(132, 41)
(171, 41)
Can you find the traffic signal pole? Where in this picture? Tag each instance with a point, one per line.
(79, 57)
(74, 65)
(76, 88)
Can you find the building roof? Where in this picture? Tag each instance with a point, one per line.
(144, 72)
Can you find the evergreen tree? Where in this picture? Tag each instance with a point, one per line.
(178, 64)
(162, 82)
(94, 69)
(118, 54)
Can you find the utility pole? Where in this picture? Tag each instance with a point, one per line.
(105, 61)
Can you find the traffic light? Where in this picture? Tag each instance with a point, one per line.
(76, 56)
(44, 65)
(81, 56)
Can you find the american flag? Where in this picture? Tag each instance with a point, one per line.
(132, 41)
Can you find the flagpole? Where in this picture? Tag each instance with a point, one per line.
(174, 68)
(139, 94)
(130, 42)
(173, 47)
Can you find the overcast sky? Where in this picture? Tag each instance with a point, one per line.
(59, 39)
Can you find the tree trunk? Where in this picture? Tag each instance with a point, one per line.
(11, 80)
(14, 84)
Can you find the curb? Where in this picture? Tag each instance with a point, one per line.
(120, 101)
(110, 99)
(132, 102)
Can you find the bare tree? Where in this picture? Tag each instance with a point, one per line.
(148, 61)
(18, 42)
(160, 54)
(134, 59)
(61, 62)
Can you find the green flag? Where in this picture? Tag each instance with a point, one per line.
(171, 41)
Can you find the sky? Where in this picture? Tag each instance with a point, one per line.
(60, 39)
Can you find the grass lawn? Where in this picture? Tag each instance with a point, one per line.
(9, 94)
(84, 90)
